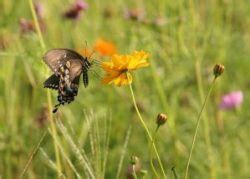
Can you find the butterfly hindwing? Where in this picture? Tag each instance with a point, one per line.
(52, 82)
(75, 68)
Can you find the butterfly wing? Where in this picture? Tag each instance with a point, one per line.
(75, 85)
(52, 82)
(75, 68)
(56, 58)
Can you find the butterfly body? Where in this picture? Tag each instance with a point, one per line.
(67, 66)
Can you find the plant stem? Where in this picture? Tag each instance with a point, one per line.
(38, 30)
(196, 128)
(146, 128)
(175, 175)
(151, 156)
(134, 173)
(41, 40)
(206, 124)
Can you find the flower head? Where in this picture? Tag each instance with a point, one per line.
(105, 48)
(161, 119)
(39, 10)
(118, 68)
(218, 70)
(26, 25)
(135, 14)
(81, 5)
(231, 100)
(74, 11)
(135, 166)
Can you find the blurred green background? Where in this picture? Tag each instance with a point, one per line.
(184, 38)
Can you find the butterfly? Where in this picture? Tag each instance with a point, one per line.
(67, 66)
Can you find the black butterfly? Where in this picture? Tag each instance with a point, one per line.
(67, 66)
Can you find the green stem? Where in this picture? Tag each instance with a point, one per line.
(206, 124)
(196, 128)
(174, 172)
(151, 153)
(38, 30)
(134, 173)
(146, 129)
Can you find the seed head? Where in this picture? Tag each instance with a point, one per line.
(218, 70)
(161, 119)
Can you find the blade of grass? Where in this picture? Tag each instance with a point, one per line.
(33, 154)
(124, 149)
(86, 165)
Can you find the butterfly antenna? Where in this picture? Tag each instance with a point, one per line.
(85, 48)
(92, 53)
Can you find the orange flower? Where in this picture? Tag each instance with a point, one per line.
(118, 68)
(105, 48)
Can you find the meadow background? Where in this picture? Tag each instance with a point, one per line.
(184, 38)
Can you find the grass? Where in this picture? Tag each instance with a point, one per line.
(98, 133)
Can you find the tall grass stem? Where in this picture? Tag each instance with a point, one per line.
(41, 40)
(34, 152)
(124, 149)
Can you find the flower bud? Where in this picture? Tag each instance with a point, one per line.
(143, 172)
(161, 119)
(218, 70)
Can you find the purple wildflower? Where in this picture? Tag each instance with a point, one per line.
(26, 25)
(81, 5)
(74, 11)
(39, 10)
(231, 100)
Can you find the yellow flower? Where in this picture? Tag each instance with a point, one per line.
(118, 68)
(105, 48)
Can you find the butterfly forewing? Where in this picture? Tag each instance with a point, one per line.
(56, 58)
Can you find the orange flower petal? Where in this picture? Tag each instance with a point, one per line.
(105, 48)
